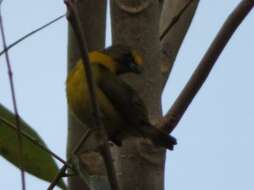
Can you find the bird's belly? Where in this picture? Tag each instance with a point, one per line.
(78, 99)
(80, 103)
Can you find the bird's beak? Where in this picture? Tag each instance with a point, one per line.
(135, 68)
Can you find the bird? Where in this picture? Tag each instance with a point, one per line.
(122, 110)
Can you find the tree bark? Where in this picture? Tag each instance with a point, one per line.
(139, 164)
(172, 41)
(92, 16)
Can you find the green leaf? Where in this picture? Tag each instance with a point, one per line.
(36, 161)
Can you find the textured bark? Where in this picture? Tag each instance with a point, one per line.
(140, 165)
(92, 16)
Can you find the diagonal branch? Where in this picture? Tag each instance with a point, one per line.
(31, 33)
(61, 173)
(81, 40)
(14, 102)
(199, 76)
(175, 19)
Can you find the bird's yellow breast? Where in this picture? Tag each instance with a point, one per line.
(79, 101)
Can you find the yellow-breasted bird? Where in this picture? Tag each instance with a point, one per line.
(123, 111)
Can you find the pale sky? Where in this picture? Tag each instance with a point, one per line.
(215, 136)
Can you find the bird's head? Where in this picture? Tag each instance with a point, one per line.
(125, 59)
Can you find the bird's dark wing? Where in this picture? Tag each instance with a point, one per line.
(124, 99)
(130, 106)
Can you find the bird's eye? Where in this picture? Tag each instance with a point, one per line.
(128, 60)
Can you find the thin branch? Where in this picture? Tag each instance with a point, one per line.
(31, 33)
(17, 118)
(81, 40)
(61, 173)
(199, 76)
(73, 19)
(108, 161)
(34, 141)
(174, 19)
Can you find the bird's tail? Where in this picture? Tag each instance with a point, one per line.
(159, 138)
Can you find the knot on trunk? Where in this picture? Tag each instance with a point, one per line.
(133, 6)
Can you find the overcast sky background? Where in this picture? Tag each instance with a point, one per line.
(215, 136)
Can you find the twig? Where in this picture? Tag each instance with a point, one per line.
(81, 40)
(17, 119)
(61, 173)
(31, 33)
(175, 19)
(73, 19)
(34, 141)
(199, 76)
(108, 161)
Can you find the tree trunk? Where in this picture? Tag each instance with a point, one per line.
(140, 165)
